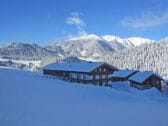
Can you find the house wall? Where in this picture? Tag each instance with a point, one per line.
(154, 82)
(56, 73)
(89, 78)
(139, 86)
(150, 82)
(99, 76)
(115, 79)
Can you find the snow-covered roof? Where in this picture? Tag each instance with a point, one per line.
(79, 67)
(140, 77)
(123, 73)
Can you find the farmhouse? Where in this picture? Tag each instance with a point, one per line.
(145, 80)
(84, 72)
(122, 75)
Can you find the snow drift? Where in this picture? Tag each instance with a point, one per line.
(31, 99)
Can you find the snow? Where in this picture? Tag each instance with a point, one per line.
(123, 73)
(128, 42)
(110, 38)
(121, 86)
(137, 41)
(140, 77)
(36, 62)
(30, 99)
(29, 64)
(85, 37)
(80, 67)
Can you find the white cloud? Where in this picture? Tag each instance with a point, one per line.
(75, 19)
(146, 20)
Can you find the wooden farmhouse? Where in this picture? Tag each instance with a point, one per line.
(122, 75)
(145, 80)
(84, 72)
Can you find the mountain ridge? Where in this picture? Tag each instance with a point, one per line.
(91, 45)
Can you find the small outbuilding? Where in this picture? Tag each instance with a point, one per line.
(145, 80)
(82, 72)
(122, 75)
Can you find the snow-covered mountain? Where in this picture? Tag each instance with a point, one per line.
(84, 46)
(92, 46)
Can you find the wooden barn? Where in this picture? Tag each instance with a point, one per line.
(122, 75)
(145, 80)
(83, 72)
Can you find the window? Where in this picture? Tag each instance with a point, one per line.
(78, 76)
(70, 75)
(84, 76)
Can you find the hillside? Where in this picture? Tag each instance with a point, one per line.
(30, 99)
(145, 57)
(24, 51)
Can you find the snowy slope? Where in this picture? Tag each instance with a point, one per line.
(21, 64)
(137, 41)
(149, 57)
(25, 51)
(128, 42)
(29, 99)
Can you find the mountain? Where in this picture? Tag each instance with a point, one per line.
(32, 99)
(84, 46)
(92, 46)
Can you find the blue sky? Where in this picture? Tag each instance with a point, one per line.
(44, 21)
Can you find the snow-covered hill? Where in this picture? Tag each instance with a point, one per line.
(24, 51)
(34, 65)
(145, 57)
(21, 64)
(30, 99)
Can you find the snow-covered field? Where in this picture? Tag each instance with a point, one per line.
(21, 64)
(30, 99)
(37, 63)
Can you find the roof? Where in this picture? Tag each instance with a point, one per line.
(123, 73)
(76, 66)
(140, 77)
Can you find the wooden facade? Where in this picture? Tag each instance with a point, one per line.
(98, 76)
(152, 81)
